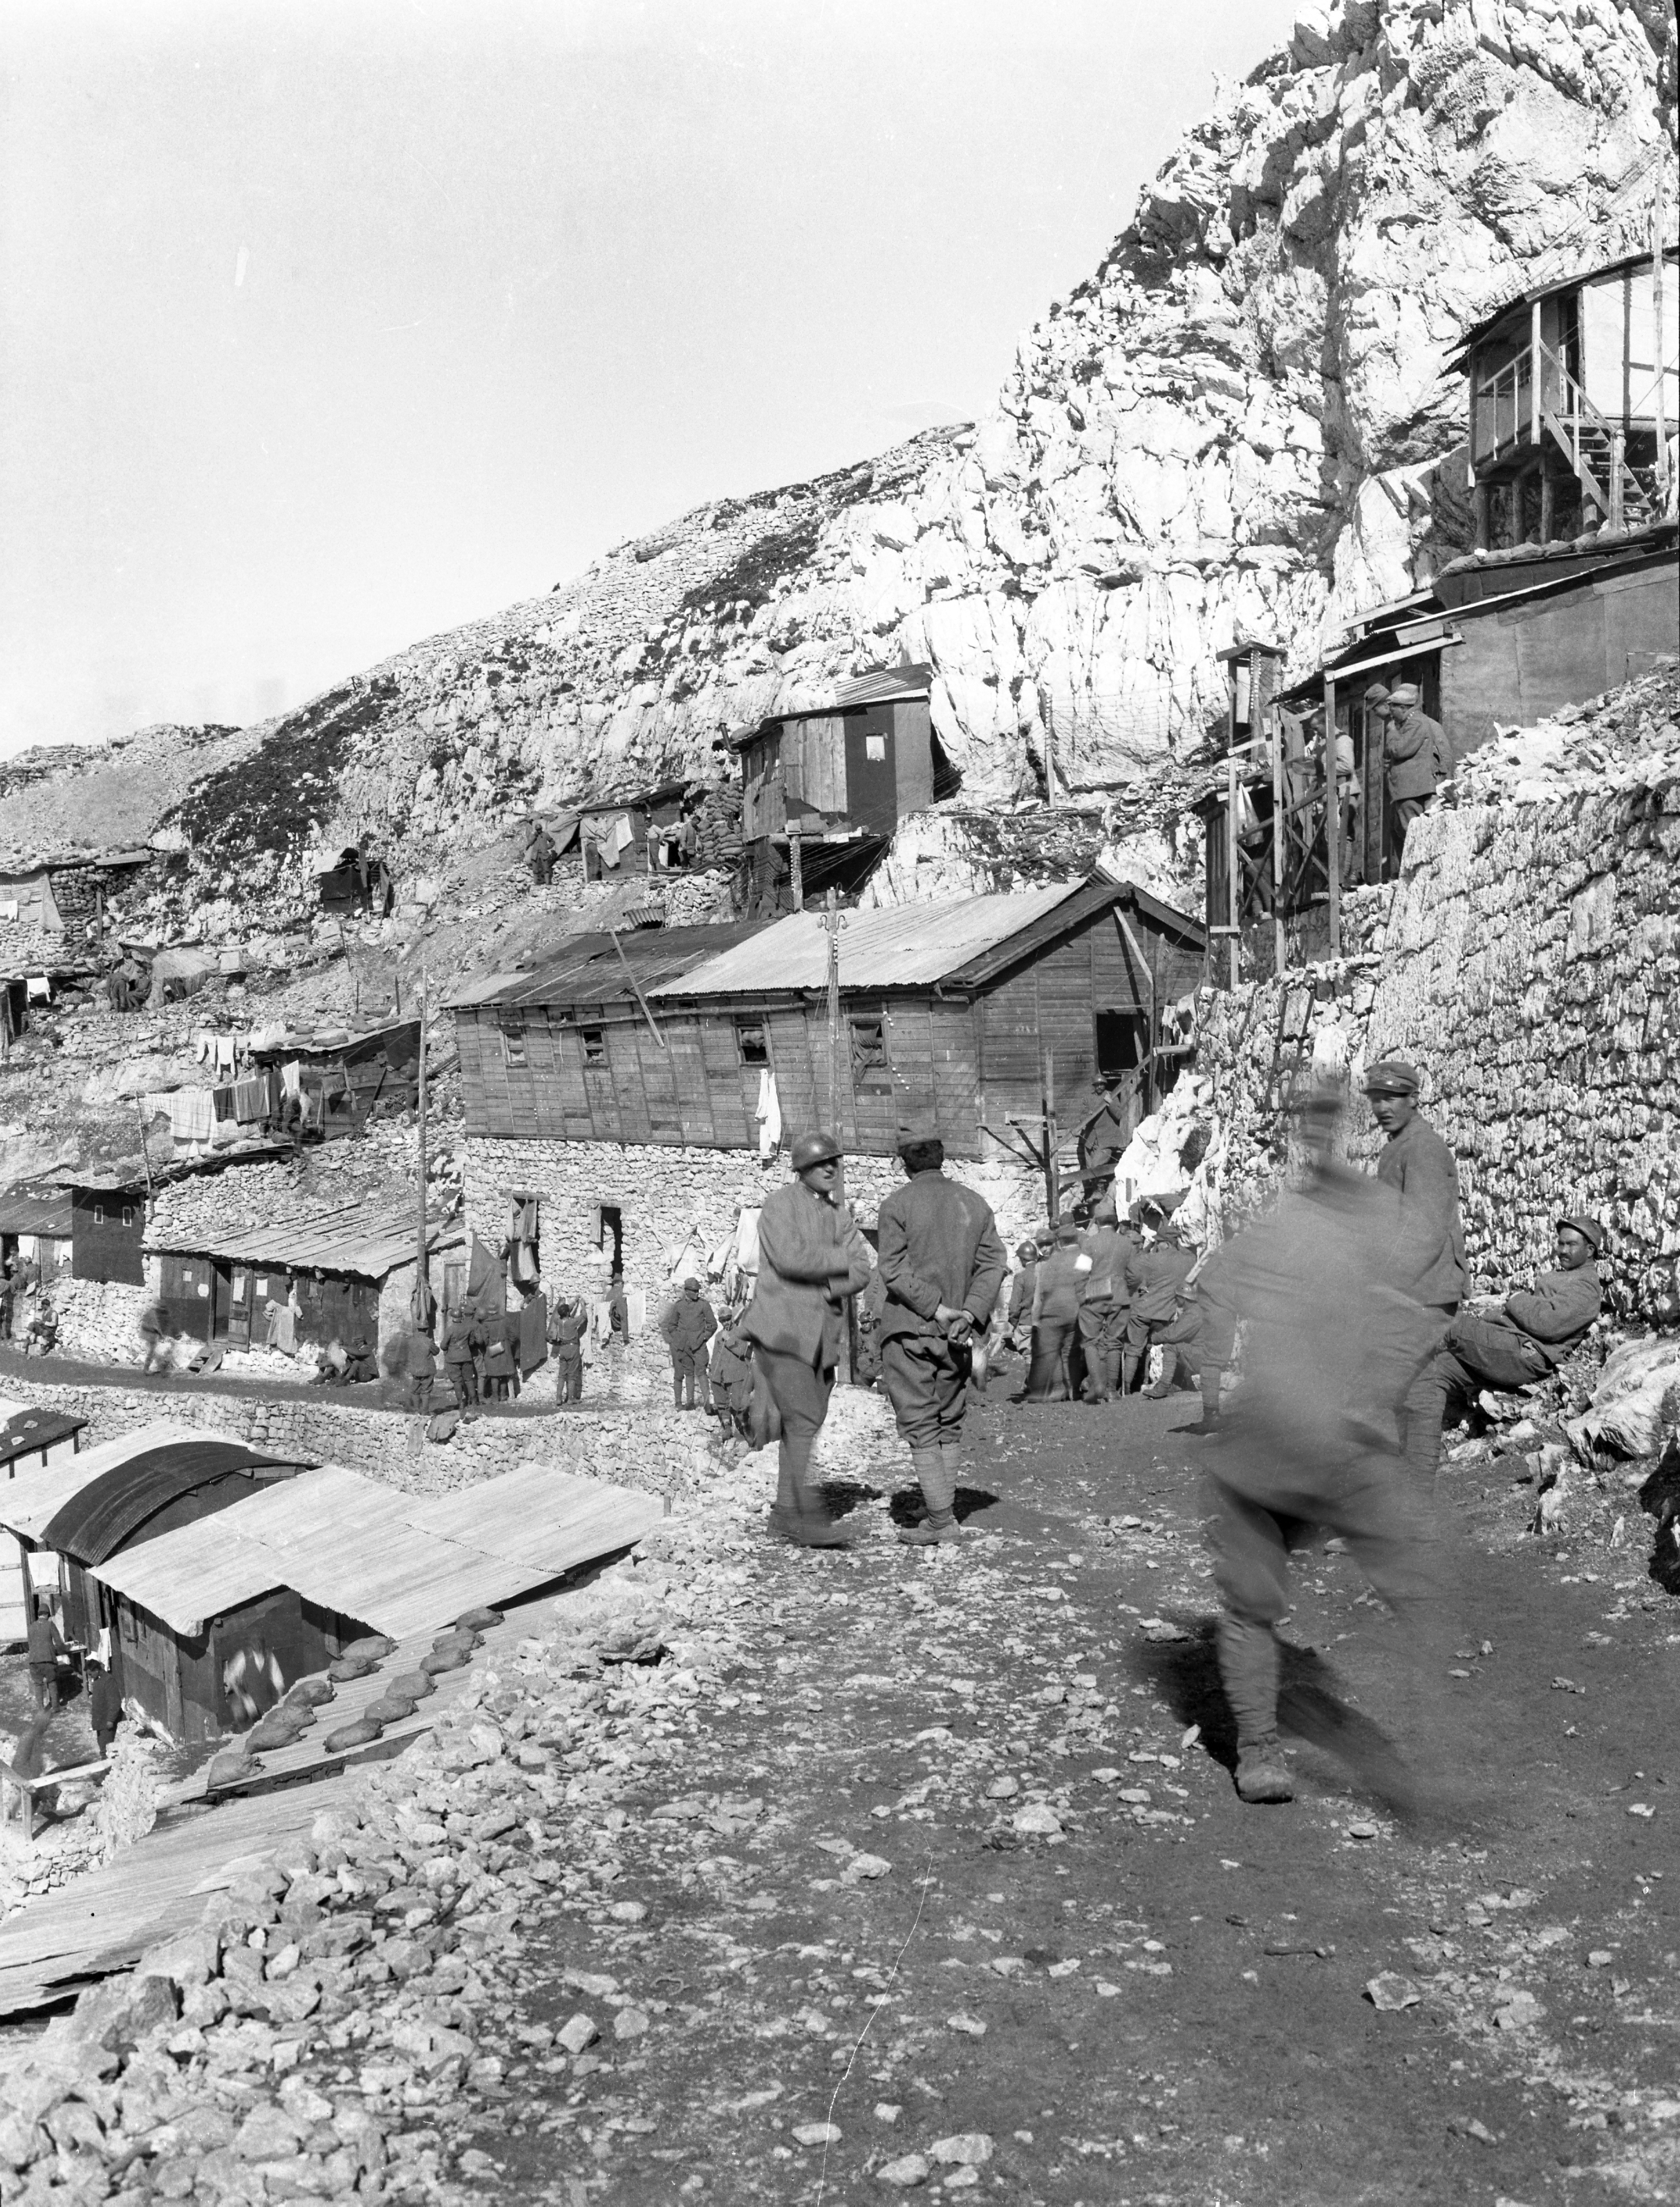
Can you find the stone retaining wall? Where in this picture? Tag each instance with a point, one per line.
(1528, 967)
(646, 1448)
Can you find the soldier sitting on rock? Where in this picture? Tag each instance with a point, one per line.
(1514, 1343)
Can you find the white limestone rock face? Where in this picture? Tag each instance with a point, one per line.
(1241, 422)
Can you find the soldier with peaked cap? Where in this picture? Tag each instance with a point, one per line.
(942, 1265)
(810, 1258)
(1418, 758)
(1428, 1260)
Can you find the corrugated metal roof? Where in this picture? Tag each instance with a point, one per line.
(586, 969)
(107, 1513)
(898, 946)
(31, 1502)
(29, 1211)
(882, 686)
(364, 1238)
(398, 1562)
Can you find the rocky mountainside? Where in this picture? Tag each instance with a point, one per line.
(1241, 422)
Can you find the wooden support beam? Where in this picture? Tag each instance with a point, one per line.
(1332, 820)
(653, 1024)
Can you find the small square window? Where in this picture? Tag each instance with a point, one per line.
(594, 1040)
(869, 1046)
(127, 1214)
(513, 1046)
(98, 1214)
(874, 747)
(752, 1042)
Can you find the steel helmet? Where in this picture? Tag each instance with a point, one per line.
(813, 1150)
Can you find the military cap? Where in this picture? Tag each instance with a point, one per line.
(1376, 695)
(1391, 1076)
(1404, 693)
(1066, 1231)
(1583, 1224)
(920, 1126)
(1026, 1248)
(813, 1150)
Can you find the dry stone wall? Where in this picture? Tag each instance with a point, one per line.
(665, 1194)
(1529, 965)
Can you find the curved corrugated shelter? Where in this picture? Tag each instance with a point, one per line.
(86, 1506)
(109, 1511)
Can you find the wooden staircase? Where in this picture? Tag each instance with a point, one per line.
(1594, 450)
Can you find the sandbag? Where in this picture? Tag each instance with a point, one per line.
(362, 1734)
(1636, 1403)
(416, 1684)
(478, 1620)
(390, 1709)
(231, 1768)
(374, 1647)
(277, 1730)
(344, 1668)
(445, 1659)
(309, 1694)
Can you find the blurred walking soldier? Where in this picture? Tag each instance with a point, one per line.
(943, 1266)
(1329, 1348)
(688, 1324)
(810, 1259)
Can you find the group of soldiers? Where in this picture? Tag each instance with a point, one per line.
(1349, 1297)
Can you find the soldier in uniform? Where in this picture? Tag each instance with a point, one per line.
(810, 1258)
(688, 1324)
(1157, 1278)
(943, 1266)
(1418, 758)
(1327, 1343)
(566, 1329)
(1428, 1262)
(461, 1342)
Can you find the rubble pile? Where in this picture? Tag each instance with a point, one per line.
(1626, 739)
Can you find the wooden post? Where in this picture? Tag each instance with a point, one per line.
(1050, 768)
(422, 1285)
(832, 923)
(1619, 445)
(796, 868)
(1332, 820)
(1234, 869)
(653, 1024)
(1279, 802)
(1482, 497)
(1548, 504)
(1658, 334)
(1534, 375)
(1052, 1179)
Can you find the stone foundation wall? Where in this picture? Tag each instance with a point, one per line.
(1529, 965)
(664, 1193)
(99, 1320)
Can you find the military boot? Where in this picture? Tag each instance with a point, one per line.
(1263, 1775)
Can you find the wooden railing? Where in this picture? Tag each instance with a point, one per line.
(1577, 425)
(1504, 408)
(18, 1792)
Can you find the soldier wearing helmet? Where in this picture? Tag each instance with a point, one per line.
(810, 1258)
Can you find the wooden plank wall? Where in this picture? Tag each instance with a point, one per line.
(962, 1063)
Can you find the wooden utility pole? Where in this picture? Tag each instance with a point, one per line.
(1279, 799)
(422, 1285)
(1052, 1179)
(833, 921)
(796, 868)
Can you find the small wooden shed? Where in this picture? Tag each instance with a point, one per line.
(30, 1440)
(348, 1076)
(836, 783)
(107, 1224)
(71, 1519)
(37, 1223)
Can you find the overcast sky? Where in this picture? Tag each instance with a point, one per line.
(325, 324)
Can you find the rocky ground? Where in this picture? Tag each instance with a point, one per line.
(908, 1871)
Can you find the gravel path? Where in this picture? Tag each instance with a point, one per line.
(908, 1871)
